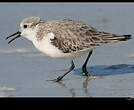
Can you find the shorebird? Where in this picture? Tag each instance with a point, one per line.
(65, 39)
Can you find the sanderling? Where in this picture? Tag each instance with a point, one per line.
(65, 39)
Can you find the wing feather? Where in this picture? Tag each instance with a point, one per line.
(71, 36)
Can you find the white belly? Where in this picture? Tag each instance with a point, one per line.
(52, 51)
(46, 47)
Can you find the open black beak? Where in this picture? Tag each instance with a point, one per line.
(18, 35)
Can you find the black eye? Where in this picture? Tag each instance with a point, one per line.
(25, 26)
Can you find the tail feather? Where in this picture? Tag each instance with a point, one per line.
(116, 38)
(126, 37)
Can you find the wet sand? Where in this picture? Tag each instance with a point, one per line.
(24, 71)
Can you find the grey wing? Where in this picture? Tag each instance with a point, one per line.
(73, 36)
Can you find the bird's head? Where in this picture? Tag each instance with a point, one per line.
(27, 28)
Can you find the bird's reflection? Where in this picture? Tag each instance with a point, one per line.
(85, 84)
(71, 90)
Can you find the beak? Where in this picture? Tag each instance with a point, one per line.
(18, 35)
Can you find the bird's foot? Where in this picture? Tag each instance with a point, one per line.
(85, 74)
(89, 76)
(56, 80)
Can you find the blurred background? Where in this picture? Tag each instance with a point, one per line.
(24, 70)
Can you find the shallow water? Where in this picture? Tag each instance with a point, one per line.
(24, 70)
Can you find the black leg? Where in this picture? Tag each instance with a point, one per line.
(70, 69)
(84, 69)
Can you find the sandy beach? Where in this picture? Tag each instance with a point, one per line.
(24, 71)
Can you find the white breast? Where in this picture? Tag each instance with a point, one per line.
(46, 47)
